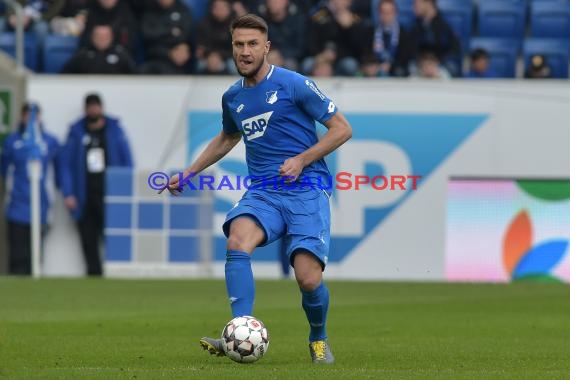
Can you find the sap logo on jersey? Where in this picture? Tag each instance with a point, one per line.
(255, 127)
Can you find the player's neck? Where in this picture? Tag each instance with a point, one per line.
(259, 77)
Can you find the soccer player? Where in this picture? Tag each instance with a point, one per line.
(274, 110)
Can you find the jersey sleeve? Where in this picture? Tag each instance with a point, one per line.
(228, 123)
(309, 98)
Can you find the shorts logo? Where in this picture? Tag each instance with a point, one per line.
(314, 88)
(256, 126)
(240, 107)
(271, 97)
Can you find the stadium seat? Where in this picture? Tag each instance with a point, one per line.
(57, 51)
(502, 19)
(502, 52)
(406, 15)
(550, 19)
(459, 14)
(8, 45)
(199, 8)
(555, 50)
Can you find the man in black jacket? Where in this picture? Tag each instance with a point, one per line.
(102, 57)
(434, 34)
(167, 32)
(335, 34)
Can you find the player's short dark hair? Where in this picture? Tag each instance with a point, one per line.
(249, 21)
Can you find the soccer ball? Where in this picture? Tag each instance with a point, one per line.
(245, 339)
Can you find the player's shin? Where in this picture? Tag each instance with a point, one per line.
(240, 283)
(316, 304)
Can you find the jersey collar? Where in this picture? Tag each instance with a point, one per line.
(266, 77)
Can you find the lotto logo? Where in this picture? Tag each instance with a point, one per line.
(255, 127)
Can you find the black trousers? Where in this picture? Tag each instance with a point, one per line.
(91, 233)
(20, 248)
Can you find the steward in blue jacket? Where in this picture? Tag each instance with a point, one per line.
(14, 170)
(94, 143)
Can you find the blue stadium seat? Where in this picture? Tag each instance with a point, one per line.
(8, 45)
(550, 19)
(502, 18)
(502, 52)
(459, 14)
(199, 8)
(57, 51)
(406, 15)
(555, 50)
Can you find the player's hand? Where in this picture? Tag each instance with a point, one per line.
(291, 168)
(173, 186)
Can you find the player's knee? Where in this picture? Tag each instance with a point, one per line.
(236, 243)
(309, 282)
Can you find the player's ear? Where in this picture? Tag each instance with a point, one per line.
(267, 47)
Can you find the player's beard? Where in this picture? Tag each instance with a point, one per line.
(252, 73)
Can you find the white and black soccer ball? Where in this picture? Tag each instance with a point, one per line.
(245, 339)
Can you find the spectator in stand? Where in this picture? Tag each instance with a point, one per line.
(538, 68)
(215, 64)
(286, 29)
(362, 8)
(212, 34)
(36, 17)
(241, 7)
(102, 57)
(167, 32)
(119, 16)
(429, 66)
(139, 7)
(480, 65)
(71, 19)
(175, 62)
(372, 67)
(274, 57)
(323, 67)
(433, 33)
(336, 32)
(389, 42)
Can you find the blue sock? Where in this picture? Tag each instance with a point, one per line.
(316, 305)
(239, 283)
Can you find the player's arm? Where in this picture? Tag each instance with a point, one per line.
(339, 131)
(221, 145)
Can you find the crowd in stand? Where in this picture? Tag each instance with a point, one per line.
(317, 38)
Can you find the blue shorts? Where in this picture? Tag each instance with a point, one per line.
(301, 217)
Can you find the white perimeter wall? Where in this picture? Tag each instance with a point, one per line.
(526, 135)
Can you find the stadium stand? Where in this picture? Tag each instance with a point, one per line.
(550, 19)
(556, 52)
(459, 14)
(525, 24)
(8, 45)
(502, 19)
(502, 52)
(57, 51)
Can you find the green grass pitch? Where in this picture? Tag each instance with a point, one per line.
(131, 329)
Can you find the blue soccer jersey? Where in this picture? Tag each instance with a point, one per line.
(277, 120)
